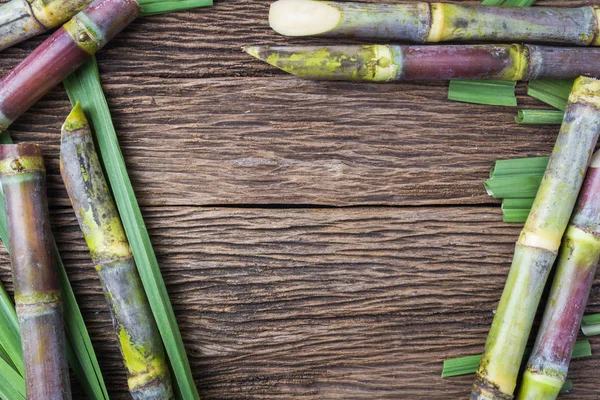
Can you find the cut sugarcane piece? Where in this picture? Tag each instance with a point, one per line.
(538, 244)
(435, 22)
(35, 272)
(61, 54)
(577, 261)
(23, 19)
(386, 63)
(139, 339)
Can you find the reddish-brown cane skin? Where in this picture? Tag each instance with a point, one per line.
(55, 59)
(35, 273)
(587, 209)
(562, 62)
(28, 198)
(448, 62)
(111, 16)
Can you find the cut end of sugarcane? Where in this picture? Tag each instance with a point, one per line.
(587, 90)
(595, 163)
(76, 120)
(303, 17)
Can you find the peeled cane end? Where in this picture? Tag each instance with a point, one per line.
(76, 120)
(303, 17)
(373, 63)
(585, 90)
(20, 158)
(53, 13)
(536, 386)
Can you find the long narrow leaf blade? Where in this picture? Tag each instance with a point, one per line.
(496, 93)
(84, 86)
(551, 91)
(12, 385)
(590, 325)
(155, 7)
(519, 166)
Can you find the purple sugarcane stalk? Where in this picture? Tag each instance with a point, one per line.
(61, 54)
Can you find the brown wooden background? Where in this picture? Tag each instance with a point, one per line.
(318, 240)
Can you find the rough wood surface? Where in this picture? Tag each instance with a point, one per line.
(308, 302)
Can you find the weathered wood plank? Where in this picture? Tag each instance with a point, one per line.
(286, 141)
(321, 303)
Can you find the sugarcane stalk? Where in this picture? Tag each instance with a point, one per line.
(538, 243)
(436, 22)
(23, 19)
(35, 274)
(135, 327)
(576, 266)
(386, 63)
(61, 54)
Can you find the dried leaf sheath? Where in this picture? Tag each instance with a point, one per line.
(577, 261)
(21, 19)
(35, 273)
(61, 54)
(434, 22)
(138, 336)
(538, 243)
(384, 63)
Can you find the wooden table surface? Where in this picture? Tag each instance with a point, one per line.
(319, 240)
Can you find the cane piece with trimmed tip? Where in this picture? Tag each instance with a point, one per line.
(436, 22)
(538, 243)
(61, 54)
(23, 19)
(137, 333)
(577, 261)
(35, 273)
(385, 63)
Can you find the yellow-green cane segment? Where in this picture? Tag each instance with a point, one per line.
(136, 330)
(537, 247)
(23, 19)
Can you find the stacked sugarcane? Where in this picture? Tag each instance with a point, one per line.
(539, 243)
(430, 23)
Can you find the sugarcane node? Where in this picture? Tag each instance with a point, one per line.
(16, 165)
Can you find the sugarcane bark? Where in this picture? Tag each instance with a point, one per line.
(435, 22)
(384, 63)
(538, 243)
(61, 54)
(21, 20)
(579, 255)
(137, 333)
(35, 273)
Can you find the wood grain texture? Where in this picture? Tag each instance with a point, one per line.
(299, 303)
(321, 303)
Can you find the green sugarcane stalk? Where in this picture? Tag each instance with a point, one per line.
(388, 63)
(23, 19)
(577, 261)
(139, 339)
(435, 22)
(538, 243)
(35, 273)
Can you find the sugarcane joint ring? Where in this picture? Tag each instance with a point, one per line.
(82, 36)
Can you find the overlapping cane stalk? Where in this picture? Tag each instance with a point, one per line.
(577, 261)
(387, 63)
(139, 339)
(61, 54)
(35, 273)
(435, 22)
(23, 19)
(538, 243)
